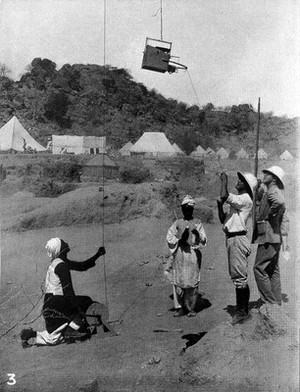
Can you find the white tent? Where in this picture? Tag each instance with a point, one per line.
(209, 152)
(199, 152)
(222, 153)
(13, 136)
(262, 154)
(286, 156)
(78, 144)
(177, 149)
(242, 154)
(125, 150)
(153, 144)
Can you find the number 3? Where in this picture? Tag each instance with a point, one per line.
(11, 380)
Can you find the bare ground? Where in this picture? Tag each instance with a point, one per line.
(205, 353)
(139, 302)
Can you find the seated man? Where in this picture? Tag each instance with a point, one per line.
(63, 311)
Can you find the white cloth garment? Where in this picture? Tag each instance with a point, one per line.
(46, 338)
(53, 283)
(188, 200)
(53, 247)
(240, 210)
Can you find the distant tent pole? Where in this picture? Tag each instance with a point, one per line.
(161, 21)
(257, 139)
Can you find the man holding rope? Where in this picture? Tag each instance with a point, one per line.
(63, 311)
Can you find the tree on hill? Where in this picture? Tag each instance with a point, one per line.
(4, 70)
(56, 108)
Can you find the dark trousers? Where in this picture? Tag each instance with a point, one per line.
(187, 298)
(267, 274)
(58, 309)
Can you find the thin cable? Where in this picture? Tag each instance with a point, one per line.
(161, 20)
(193, 87)
(104, 145)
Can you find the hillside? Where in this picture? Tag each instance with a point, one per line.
(96, 100)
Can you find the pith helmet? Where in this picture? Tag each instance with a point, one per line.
(278, 173)
(249, 180)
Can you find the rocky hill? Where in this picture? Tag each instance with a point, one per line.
(96, 100)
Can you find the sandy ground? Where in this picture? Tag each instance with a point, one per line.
(138, 300)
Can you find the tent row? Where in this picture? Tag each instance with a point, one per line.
(222, 153)
(154, 144)
(14, 137)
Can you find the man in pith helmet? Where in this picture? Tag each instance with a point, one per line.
(270, 231)
(237, 243)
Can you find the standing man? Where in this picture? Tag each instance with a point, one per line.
(237, 243)
(184, 239)
(270, 231)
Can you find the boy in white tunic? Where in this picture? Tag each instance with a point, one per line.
(184, 239)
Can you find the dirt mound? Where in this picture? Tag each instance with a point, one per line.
(86, 205)
(234, 356)
(117, 202)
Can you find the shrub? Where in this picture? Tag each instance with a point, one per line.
(50, 188)
(61, 170)
(134, 174)
(2, 173)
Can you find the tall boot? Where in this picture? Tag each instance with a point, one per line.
(246, 299)
(242, 304)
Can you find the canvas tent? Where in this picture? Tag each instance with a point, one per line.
(286, 156)
(99, 166)
(177, 149)
(262, 154)
(222, 153)
(13, 136)
(199, 152)
(78, 144)
(242, 154)
(209, 152)
(153, 144)
(125, 150)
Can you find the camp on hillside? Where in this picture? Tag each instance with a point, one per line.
(242, 154)
(286, 156)
(222, 153)
(14, 137)
(262, 154)
(62, 144)
(199, 152)
(153, 144)
(125, 150)
(98, 167)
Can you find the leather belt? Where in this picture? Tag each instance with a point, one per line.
(236, 233)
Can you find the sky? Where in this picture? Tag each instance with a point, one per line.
(236, 50)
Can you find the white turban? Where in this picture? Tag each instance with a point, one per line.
(53, 247)
(189, 201)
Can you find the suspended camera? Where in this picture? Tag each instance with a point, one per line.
(157, 57)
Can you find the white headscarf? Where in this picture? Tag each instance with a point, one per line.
(188, 200)
(53, 247)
